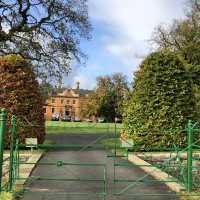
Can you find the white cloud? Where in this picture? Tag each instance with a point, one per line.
(86, 82)
(123, 27)
(126, 51)
(130, 23)
(135, 19)
(5, 27)
(84, 75)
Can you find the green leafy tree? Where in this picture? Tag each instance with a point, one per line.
(46, 90)
(107, 99)
(20, 95)
(47, 32)
(121, 89)
(162, 100)
(183, 38)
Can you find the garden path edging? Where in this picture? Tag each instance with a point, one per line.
(26, 169)
(156, 173)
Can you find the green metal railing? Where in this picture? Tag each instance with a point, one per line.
(189, 156)
(185, 170)
(8, 176)
(102, 180)
(13, 154)
(2, 131)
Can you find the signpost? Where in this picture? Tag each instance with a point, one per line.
(31, 142)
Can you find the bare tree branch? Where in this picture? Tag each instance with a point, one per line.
(45, 31)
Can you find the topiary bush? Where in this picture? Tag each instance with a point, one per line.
(20, 95)
(161, 102)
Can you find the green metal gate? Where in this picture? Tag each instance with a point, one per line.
(116, 160)
(8, 159)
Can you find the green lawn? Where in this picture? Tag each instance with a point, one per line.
(111, 143)
(190, 196)
(6, 196)
(80, 127)
(14, 195)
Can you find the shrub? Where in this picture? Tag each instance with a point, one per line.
(161, 101)
(20, 95)
(6, 196)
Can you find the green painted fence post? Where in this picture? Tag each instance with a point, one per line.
(2, 130)
(11, 167)
(17, 158)
(189, 156)
(115, 139)
(104, 182)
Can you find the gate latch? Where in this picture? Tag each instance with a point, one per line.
(59, 163)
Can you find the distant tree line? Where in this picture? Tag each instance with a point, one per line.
(107, 99)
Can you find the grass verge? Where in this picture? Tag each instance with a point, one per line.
(14, 195)
(6, 196)
(111, 143)
(57, 127)
(191, 196)
(114, 144)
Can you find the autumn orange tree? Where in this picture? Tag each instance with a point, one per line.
(20, 95)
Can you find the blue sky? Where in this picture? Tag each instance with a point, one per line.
(120, 36)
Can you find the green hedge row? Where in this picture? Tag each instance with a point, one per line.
(161, 102)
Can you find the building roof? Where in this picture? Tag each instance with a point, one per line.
(77, 92)
(82, 92)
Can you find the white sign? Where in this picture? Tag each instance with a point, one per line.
(31, 141)
(127, 143)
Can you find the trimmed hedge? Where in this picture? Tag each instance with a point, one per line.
(20, 95)
(161, 102)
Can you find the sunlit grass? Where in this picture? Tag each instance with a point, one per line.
(6, 196)
(80, 127)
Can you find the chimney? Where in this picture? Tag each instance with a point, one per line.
(78, 85)
(60, 83)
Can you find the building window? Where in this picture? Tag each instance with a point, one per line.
(62, 100)
(67, 113)
(53, 110)
(68, 101)
(44, 110)
(74, 101)
(53, 100)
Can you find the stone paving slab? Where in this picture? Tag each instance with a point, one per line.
(25, 170)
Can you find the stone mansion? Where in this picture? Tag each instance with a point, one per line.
(67, 102)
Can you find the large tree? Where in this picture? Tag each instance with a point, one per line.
(161, 102)
(46, 90)
(47, 32)
(20, 95)
(107, 99)
(183, 38)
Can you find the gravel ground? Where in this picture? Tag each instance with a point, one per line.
(65, 190)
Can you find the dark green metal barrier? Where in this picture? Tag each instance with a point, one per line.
(8, 177)
(185, 170)
(189, 156)
(2, 131)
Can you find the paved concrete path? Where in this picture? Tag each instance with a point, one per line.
(57, 190)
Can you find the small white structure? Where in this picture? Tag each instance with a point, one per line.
(31, 142)
(127, 143)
